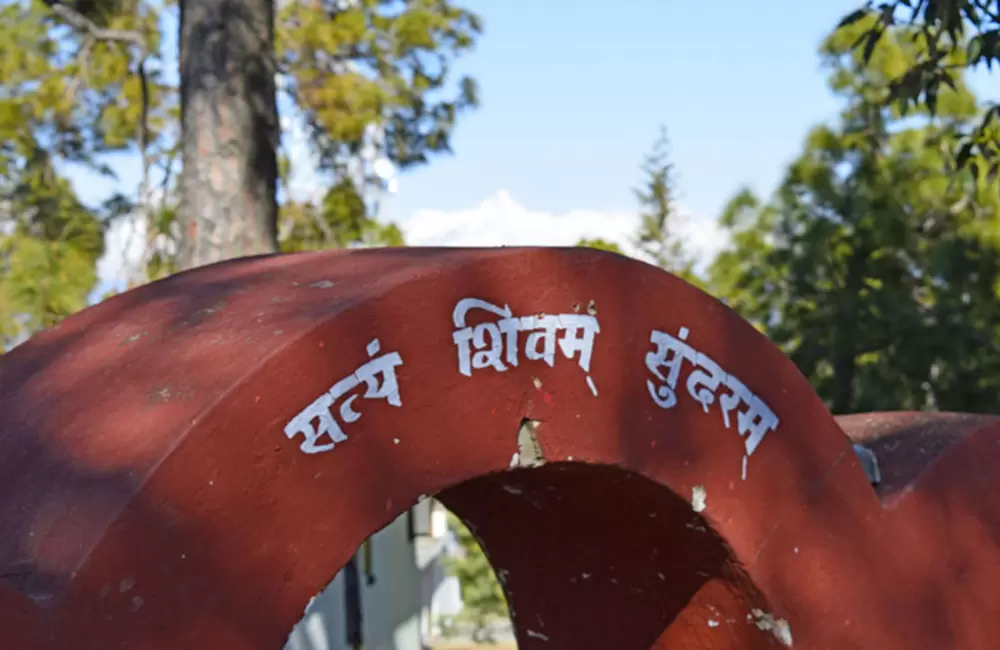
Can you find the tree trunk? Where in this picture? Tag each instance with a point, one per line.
(229, 130)
(845, 357)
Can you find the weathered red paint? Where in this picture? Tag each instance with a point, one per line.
(907, 443)
(149, 498)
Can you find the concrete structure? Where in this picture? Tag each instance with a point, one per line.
(186, 465)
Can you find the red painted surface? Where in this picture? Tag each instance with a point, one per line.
(149, 498)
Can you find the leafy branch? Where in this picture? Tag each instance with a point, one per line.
(942, 25)
(92, 30)
(92, 33)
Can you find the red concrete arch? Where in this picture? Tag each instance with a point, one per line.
(154, 492)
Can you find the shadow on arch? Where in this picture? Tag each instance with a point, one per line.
(596, 556)
(651, 573)
(187, 464)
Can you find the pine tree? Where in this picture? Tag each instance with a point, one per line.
(81, 79)
(70, 92)
(659, 237)
(229, 131)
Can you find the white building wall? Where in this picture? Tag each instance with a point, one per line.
(440, 594)
(390, 607)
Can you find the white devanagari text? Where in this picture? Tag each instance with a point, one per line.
(320, 430)
(707, 384)
(497, 343)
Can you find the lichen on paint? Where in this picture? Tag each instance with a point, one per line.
(316, 424)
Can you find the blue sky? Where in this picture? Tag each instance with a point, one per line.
(573, 93)
(572, 96)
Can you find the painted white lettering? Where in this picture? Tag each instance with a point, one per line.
(580, 330)
(705, 380)
(740, 393)
(499, 331)
(754, 418)
(547, 337)
(495, 344)
(383, 367)
(670, 353)
(326, 426)
(756, 421)
(379, 378)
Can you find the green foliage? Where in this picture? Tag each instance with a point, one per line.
(66, 98)
(72, 90)
(350, 65)
(49, 246)
(872, 266)
(658, 237)
(951, 35)
(872, 76)
(369, 76)
(341, 220)
(482, 596)
(68, 92)
(601, 245)
(371, 79)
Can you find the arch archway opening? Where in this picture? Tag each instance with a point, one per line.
(421, 582)
(595, 556)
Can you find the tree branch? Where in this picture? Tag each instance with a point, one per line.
(93, 33)
(992, 14)
(90, 28)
